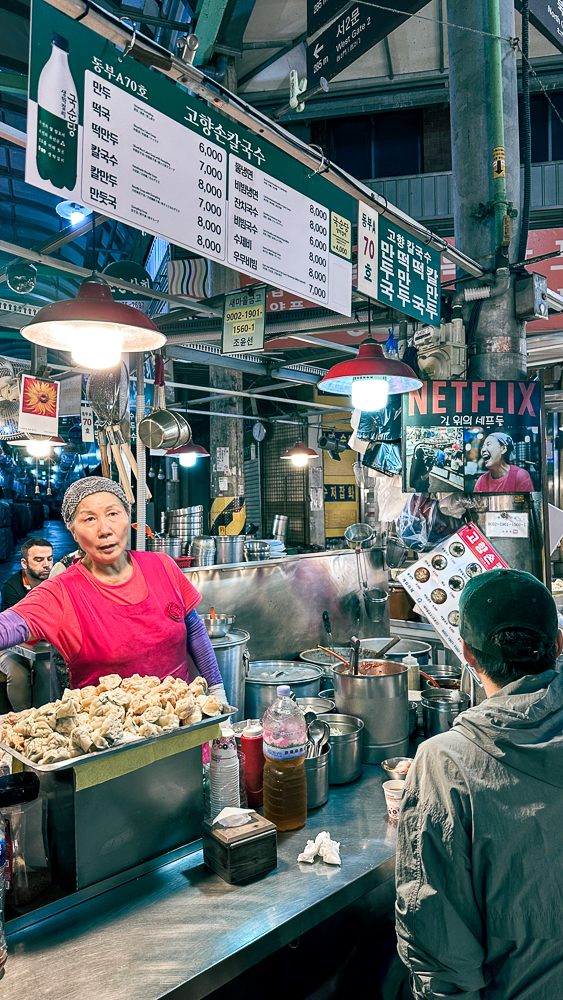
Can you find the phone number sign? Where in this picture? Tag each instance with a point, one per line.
(243, 321)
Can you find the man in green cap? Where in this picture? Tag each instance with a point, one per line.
(479, 875)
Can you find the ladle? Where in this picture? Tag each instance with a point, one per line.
(332, 653)
(429, 678)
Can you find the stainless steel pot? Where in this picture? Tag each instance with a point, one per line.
(279, 527)
(164, 428)
(345, 762)
(233, 659)
(264, 676)
(420, 650)
(172, 546)
(382, 702)
(230, 548)
(440, 709)
(219, 626)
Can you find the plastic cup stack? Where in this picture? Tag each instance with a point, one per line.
(224, 773)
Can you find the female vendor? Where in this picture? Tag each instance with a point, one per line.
(114, 611)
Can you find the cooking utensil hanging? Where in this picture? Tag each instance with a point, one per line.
(162, 428)
(118, 412)
(102, 392)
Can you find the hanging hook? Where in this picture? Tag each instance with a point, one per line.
(130, 45)
(323, 165)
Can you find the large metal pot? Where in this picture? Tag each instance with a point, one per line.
(232, 659)
(230, 548)
(264, 676)
(421, 651)
(164, 428)
(382, 702)
(173, 547)
(440, 709)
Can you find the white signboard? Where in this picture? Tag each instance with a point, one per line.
(368, 226)
(506, 524)
(87, 420)
(152, 173)
(70, 396)
(223, 460)
(280, 235)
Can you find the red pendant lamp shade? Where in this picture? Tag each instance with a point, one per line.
(58, 324)
(299, 450)
(370, 362)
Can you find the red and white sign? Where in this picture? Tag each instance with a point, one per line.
(437, 580)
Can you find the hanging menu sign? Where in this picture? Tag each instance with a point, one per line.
(109, 133)
(396, 268)
(243, 321)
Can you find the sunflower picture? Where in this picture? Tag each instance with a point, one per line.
(39, 398)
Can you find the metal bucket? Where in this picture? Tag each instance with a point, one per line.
(382, 702)
(345, 762)
(317, 771)
(440, 709)
(279, 527)
(173, 547)
(230, 548)
(232, 660)
(375, 602)
(264, 676)
(421, 651)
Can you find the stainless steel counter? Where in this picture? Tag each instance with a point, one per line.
(179, 931)
(280, 602)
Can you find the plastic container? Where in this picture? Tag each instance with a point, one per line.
(251, 744)
(414, 671)
(27, 871)
(285, 780)
(394, 791)
(224, 774)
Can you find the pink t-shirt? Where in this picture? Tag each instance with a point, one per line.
(48, 610)
(517, 480)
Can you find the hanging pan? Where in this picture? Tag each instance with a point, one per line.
(163, 429)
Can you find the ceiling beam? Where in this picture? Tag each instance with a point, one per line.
(13, 83)
(284, 50)
(209, 15)
(13, 135)
(65, 236)
(83, 272)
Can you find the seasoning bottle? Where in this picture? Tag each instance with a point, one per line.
(414, 672)
(57, 119)
(285, 778)
(251, 745)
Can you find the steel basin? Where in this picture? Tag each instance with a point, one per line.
(382, 702)
(264, 676)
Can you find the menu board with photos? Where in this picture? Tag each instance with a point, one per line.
(436, 581)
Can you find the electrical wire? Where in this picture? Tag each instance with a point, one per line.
(436, 20)
(536, 77)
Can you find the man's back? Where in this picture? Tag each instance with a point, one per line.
(480, 852)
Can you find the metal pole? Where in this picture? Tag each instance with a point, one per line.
(141, 456)
(497, 115)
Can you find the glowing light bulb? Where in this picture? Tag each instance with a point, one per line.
(188, 459)
(96, 347)
(369, 394)
(76, 217)
(38, 449)
(299, 460)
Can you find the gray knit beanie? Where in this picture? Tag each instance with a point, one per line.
(82, 488)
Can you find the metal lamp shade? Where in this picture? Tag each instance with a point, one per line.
(370, 362)
(190, 449)
(57, 324)
(299, 449)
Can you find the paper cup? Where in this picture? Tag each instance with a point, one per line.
(393, 795)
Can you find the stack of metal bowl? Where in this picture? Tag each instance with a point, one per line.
(171, 546)
(255, 551)
(202, 548)
(185, 523)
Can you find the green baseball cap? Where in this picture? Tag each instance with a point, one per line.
(503, 599)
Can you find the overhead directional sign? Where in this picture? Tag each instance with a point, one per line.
(116, 136)
(352, 34)
(547, 18)
(320, 12)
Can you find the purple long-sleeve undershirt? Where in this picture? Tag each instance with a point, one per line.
(200, 649)
(13, 629)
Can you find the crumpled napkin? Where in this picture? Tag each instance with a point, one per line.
(233, 817)
(328, 849)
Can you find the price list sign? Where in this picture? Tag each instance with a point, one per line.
(141, 149)
(396, 268)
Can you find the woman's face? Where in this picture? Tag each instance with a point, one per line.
(492, 451)
(101, 527)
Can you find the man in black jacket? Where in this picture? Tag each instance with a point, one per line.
(36, 563)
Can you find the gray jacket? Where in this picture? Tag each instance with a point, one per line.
(480, 851)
